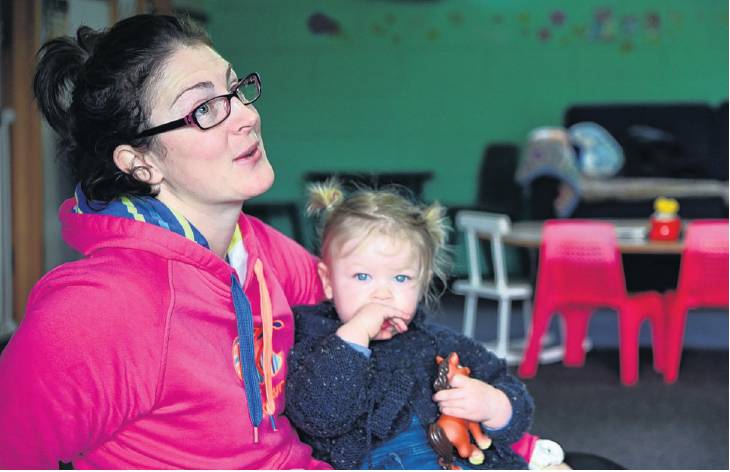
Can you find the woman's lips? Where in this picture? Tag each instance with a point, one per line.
(252, 153)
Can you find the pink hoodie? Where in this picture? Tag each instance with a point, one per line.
(127, 358)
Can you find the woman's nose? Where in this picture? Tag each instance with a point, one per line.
(244, 117)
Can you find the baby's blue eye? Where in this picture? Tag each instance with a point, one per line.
(400, 278)
(362, 276)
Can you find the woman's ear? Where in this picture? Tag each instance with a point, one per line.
(324, 276)
(140, 166)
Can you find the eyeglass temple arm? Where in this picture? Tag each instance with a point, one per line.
(186, 121)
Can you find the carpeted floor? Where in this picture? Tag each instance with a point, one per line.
(649, 426)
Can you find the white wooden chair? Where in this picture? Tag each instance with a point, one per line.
(492, 226)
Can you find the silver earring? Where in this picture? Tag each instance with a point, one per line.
(147, 173)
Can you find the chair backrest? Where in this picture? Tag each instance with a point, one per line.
(495, 225)
(580, 263)
(703, 272)
(497, 190)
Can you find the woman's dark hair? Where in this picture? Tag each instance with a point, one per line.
(94, 91)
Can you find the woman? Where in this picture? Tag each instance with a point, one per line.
(165, 347)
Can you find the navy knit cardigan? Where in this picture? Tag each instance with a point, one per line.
(343, 403)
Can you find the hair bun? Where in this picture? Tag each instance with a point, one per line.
(324, 196)
(87, 38)
(59, 64)
(436, 222)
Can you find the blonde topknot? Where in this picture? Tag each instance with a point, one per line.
(436, 223)
(324, 196)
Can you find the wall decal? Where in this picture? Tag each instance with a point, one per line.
(377, 29)
(543, 34)
(626, 46)
(456, 18)
(524, 20)
(602, 25)
(653, 21)
(557, 17)
(629, 25)
(320, 23)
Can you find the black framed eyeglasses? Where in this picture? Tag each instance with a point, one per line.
(214, 111)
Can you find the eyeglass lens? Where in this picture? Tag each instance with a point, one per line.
(249, 89)
(212, 112)
(216, 110)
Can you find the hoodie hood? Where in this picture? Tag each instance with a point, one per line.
(89, 232)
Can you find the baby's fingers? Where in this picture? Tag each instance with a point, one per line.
(449, 395)
(399, 324)
(453, 411)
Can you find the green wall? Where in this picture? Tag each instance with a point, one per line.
(426, 85)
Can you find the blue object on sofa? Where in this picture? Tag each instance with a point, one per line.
(679, 140)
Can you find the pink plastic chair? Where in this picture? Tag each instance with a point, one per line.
(580, 270)
(703, 282)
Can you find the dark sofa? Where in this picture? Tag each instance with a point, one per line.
(683, 141)
(670, 141)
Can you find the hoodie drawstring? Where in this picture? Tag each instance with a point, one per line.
(267, 320)
(244, 324)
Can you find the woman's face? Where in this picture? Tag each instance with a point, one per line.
(224, 165)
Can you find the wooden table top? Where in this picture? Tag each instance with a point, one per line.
(630, 233)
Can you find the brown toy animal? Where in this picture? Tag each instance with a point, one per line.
(449, 431)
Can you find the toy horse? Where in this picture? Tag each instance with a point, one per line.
(449, 431)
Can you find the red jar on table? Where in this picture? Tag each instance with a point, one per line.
(665, 224)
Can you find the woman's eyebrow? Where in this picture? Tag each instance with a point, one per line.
(202, 85)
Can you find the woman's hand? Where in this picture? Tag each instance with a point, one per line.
(475, 400)
(373, 321)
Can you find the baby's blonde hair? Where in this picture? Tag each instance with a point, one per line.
(384, 211)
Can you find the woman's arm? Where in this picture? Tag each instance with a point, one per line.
(68, 378)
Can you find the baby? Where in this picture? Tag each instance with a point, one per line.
(360, 381)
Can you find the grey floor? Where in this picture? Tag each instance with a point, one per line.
(649, 426)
